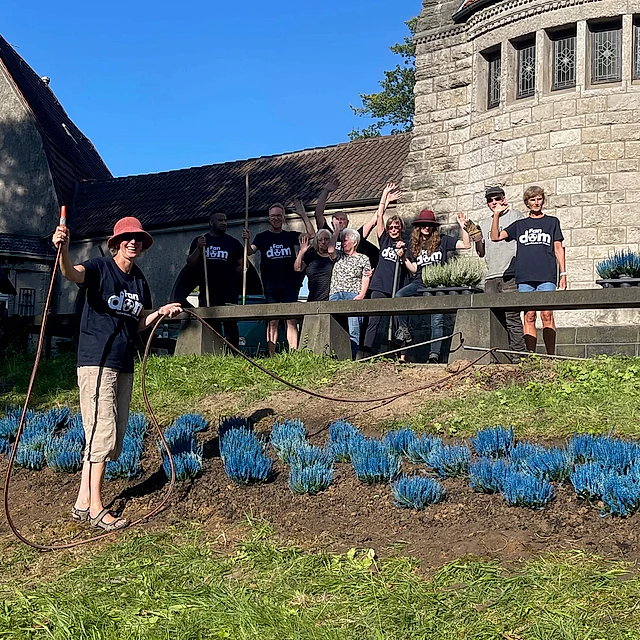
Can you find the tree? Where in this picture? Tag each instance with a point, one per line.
(394, 105)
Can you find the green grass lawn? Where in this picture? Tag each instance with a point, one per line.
(180, 586)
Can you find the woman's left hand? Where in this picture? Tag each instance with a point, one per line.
(462, 219)
(172, 309)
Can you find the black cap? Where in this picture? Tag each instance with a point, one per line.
(494, 191)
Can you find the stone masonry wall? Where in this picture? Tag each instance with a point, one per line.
(581, 144)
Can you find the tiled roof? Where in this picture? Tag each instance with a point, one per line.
(190, 195)
(27, 246)
(72, 156)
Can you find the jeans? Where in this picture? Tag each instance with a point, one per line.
(512, 319)
(414, 289)
(528, 287)
(353, 321)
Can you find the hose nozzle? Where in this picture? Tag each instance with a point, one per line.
(63, 216)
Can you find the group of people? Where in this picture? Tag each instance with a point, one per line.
(522, 253)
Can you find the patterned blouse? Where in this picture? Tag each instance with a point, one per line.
(348, 272)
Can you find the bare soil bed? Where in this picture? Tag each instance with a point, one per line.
(349, 514)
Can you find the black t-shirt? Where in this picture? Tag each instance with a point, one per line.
(111, 313)
(439, 256)
(364, 246)
(383, 275)
(535, 258)
(277, 257)
(318, 270)
(223, 253)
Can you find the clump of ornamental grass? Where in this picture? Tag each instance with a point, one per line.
(493, 442)
(487, 475)
(401, 441)
(244, 456)
(450, 461)
(526, 491)
(185, 451)
(551, 464)
(343, 436)
(624, 263)
(421, 448)
(195, 422)
(460, 272)
(416, 491)
(287, 436)
(373, 461)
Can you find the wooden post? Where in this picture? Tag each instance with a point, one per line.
(245, 259)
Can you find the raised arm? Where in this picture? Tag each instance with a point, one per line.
(558, 249)
(328, 188)
(465, 243)
(69, 271)
(496, 234)
(331, 249)
(299, 206)
(304, 247)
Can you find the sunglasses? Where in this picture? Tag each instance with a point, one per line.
(137, 237)
(495, 199)
(394, 226)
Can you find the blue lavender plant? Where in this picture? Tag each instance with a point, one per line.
(610, 451)
(137, 426)
(450, 461)
(521, 451)
(493, 442)
(8, 432)
(286, 436)
(310, 479)
(188, 465)
(621, 495)
(233, 422)
(416, 492)
(195, 422)
(63, 450)
(30, 453)
(526, 491)
(551, 464)
(128, 465)
(307, 454)
(343, 435)
(185, 450)
(244, 456)
(487, 475)
(373, 461)
(401, 441)
(421, 449)
(589, 479)
(621, 263)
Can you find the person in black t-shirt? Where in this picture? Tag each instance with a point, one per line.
(115, 308)
(280, 280)
(390, 240)
(539, 253)
(428, 248)
(314, 260)
(224, 271)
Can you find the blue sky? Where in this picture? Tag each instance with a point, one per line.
(164, 85)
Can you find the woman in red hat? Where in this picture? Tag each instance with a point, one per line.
(428, 247)
(117, 300)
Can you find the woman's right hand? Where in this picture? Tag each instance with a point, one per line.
(304, 243)
(61, 237)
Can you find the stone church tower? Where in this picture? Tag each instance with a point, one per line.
(522, 92)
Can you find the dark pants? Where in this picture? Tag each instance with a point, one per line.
(511, 318)
(414, 289)
(374, 323)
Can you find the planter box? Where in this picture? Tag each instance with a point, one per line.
(451, 291)
(619, 282)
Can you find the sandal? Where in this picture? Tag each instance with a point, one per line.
(99, 523)
(79, 515)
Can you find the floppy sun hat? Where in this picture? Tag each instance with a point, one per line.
(426, 218)
(129, 226)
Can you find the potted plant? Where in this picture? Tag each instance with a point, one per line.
(622, 269)
(458, 276)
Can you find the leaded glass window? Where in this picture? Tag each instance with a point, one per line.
(564, 60)
(493, 77)
(636, 50)
(526, 69)
(606, 51)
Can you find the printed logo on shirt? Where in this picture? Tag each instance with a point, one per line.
(424, 259)
(126, 304)
(279, 251)
(216, 253)
(389, 254)
(535, 236)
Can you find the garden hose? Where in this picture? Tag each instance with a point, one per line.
(172, 480)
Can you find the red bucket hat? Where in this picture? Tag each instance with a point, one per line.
(126, 226)
(426, 218)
